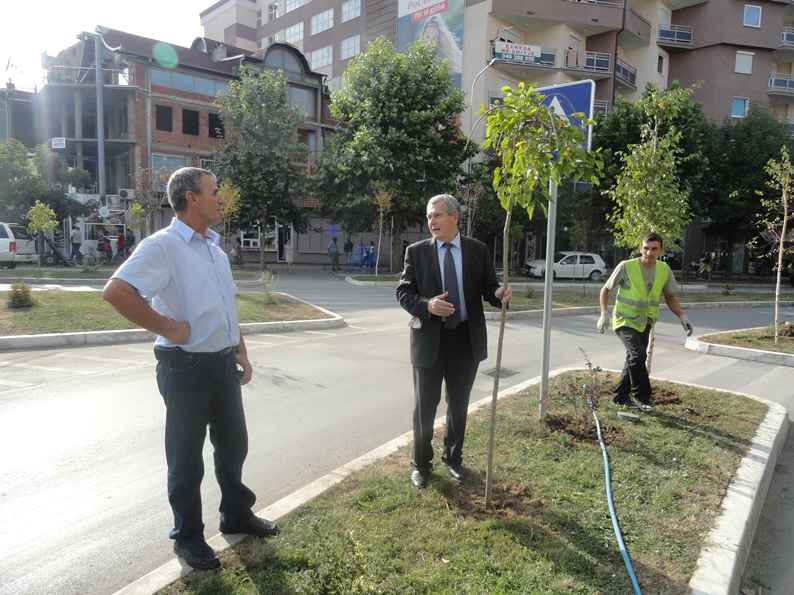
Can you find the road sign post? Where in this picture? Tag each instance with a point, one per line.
(563, 100)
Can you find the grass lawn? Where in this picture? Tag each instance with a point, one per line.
(763, 338)
(78, 272)
(69, 311)
(565, 298)
(549, 530)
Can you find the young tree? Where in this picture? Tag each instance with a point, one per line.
(231, 207)
(41, 219)
(774, 218)
(647, 194)
(534, 146)
(19, 182)
(383, 202)
(148, 201)
(398, 115)
(260, 152)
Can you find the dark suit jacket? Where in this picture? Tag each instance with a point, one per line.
(421, 281)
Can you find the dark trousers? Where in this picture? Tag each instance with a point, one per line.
(457, 368)
(634, 378)
(76, 252)
(202, 390)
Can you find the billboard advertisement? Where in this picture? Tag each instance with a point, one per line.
(437, 21)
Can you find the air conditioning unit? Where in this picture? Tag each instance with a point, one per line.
(127, 193)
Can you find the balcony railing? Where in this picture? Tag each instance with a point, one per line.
(626, 73)
(600, 107)
(593, 62)
(787, 37)
(609, 3)
(783, 83)
(681, 35)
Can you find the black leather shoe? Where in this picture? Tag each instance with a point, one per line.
(251, 525)
(419, 478)
(197, 553)
(456, 471)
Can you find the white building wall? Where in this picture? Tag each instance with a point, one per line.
(645, 58)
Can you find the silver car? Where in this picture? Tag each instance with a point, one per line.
(570, 265)
(16, 245)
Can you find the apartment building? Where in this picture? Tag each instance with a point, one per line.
(16, 115)
(328, 32)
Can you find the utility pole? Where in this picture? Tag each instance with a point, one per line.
(100, 116)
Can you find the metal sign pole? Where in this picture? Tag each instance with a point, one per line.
(547, 296)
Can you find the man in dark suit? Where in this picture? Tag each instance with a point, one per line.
(443, 284)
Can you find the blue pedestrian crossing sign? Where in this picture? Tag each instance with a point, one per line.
(571, 98)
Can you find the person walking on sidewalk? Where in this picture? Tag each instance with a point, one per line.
(333, 254)
(640, 283)
(201, 359)
(443, 284)
(76, 239)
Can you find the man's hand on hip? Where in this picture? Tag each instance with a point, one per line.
(176, 331)
(504, 293)
(439, 306)
(601, 325)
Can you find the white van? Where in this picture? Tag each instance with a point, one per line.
(16, 245)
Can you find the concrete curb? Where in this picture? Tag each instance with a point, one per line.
(755, 355)
(82, 339)
(349, 279)
(587, 310)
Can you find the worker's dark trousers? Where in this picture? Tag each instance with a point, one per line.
(634, 378)
(202, 390)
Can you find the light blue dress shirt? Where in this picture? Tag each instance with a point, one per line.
(187, 277)
(457, 257)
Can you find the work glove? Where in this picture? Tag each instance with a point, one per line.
(687, 325)
(601, 325)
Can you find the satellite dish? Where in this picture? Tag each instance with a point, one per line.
(104, 211)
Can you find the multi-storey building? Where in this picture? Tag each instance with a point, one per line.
(328, 32)
(16, 115)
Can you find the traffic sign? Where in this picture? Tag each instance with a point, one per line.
(571, 98)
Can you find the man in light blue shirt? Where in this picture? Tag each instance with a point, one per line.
(187, 278)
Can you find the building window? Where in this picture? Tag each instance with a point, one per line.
(350, 10)
(752, 15)
(272, 12)
(349, 47)
(280, 35)
(216, 125)
(304, 100)
(292, 5)
(323, 21)
(163, 166)
(660, 64)
(207, 164)
(258, 19)
(294, 34)
(322, 57)
(739, 107)
(190, 122)
(164, 118)
(185, 82)
(744, 62)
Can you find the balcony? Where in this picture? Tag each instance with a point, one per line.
(81, 75)
(596, 65)
(600, 107)
(785, 49)
(781, 85)
(599, 16)
(676, 36)
(626, 74)
(637, 31)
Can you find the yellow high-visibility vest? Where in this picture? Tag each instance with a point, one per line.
(635, 306)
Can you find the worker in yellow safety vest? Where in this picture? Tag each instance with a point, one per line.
(640, 282)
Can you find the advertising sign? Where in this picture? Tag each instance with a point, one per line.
(516, 52)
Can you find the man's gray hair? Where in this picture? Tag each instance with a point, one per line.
(452, 204)
(182, 181)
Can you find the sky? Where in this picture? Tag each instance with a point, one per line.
(30, 27)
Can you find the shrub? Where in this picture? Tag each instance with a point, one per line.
(727, 289)
(530, 293)
(20, 296)
(268, 284)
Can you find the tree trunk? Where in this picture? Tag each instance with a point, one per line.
(380, 238)
(498, 370)
(780, 249)
(262, 239)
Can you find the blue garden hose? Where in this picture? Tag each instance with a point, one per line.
(608, 486)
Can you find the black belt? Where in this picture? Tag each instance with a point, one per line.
(164, 353)
(462, 325)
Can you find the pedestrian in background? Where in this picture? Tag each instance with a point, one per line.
(75, 238)
(201, 359)
(333, 254)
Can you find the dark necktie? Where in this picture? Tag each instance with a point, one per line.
(451, 282)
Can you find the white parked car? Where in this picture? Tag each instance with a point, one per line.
(16, 245)
(570, 265)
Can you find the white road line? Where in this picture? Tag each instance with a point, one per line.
(249, 341)
(321, 333)
(44, 368)
(97, 358)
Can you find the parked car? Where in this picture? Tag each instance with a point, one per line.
(16, 245)
(570, 265)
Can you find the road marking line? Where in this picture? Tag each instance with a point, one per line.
(321, 333)
(249, 341)
(97, 358)
(44, 368)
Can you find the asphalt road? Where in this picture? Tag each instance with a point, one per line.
(83, 505)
